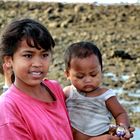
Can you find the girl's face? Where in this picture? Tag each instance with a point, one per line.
(85, 74)
(30, 65)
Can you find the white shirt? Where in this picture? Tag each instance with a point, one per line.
(89, 115)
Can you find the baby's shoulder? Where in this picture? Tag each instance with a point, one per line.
(107, 93)
(67, 90)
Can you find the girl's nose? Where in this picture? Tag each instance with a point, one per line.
(37, 62)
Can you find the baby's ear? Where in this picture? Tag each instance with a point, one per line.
(66, 72)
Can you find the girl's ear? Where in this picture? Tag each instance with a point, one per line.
(8, 61)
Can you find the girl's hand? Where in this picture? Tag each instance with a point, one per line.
(105, 137)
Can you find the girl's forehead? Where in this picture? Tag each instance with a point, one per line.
(23, 46)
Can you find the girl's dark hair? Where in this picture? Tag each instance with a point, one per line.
(81, 50)
(36, 35)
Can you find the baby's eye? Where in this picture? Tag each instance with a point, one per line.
(80, 76)
(93, 75)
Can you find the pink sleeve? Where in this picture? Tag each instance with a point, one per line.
(11, 126)
(13, 131)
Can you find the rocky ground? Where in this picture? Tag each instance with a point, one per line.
(114, 28)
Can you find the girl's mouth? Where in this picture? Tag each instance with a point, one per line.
(36, 74)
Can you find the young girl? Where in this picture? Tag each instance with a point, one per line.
(32, 108)
(90, 105)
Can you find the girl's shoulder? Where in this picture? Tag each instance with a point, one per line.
(54, 86)
(51, 83)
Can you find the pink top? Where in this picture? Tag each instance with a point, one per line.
(23, 117)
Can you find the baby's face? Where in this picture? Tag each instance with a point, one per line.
(85, 74)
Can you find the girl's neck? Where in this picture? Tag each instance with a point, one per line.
(39, 92)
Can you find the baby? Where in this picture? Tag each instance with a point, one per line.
(90, 105)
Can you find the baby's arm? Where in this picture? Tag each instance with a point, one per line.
(66, 91)
(119, 114)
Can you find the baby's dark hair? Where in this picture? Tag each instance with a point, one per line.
(81, 50)
(36, 35)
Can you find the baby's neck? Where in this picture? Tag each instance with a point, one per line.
(95, 92)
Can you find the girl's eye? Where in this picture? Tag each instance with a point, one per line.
(45, 55)
(27, 55)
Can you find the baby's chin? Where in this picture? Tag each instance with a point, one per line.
(87, 91)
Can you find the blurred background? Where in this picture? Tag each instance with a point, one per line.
(114, 28)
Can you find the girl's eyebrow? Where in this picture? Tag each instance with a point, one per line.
(44, 51)
(27, 51)
(31, 51)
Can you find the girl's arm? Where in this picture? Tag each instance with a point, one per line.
(106, 137)
(13, 131)
(109, 137)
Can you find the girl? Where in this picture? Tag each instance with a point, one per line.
(32, 108)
